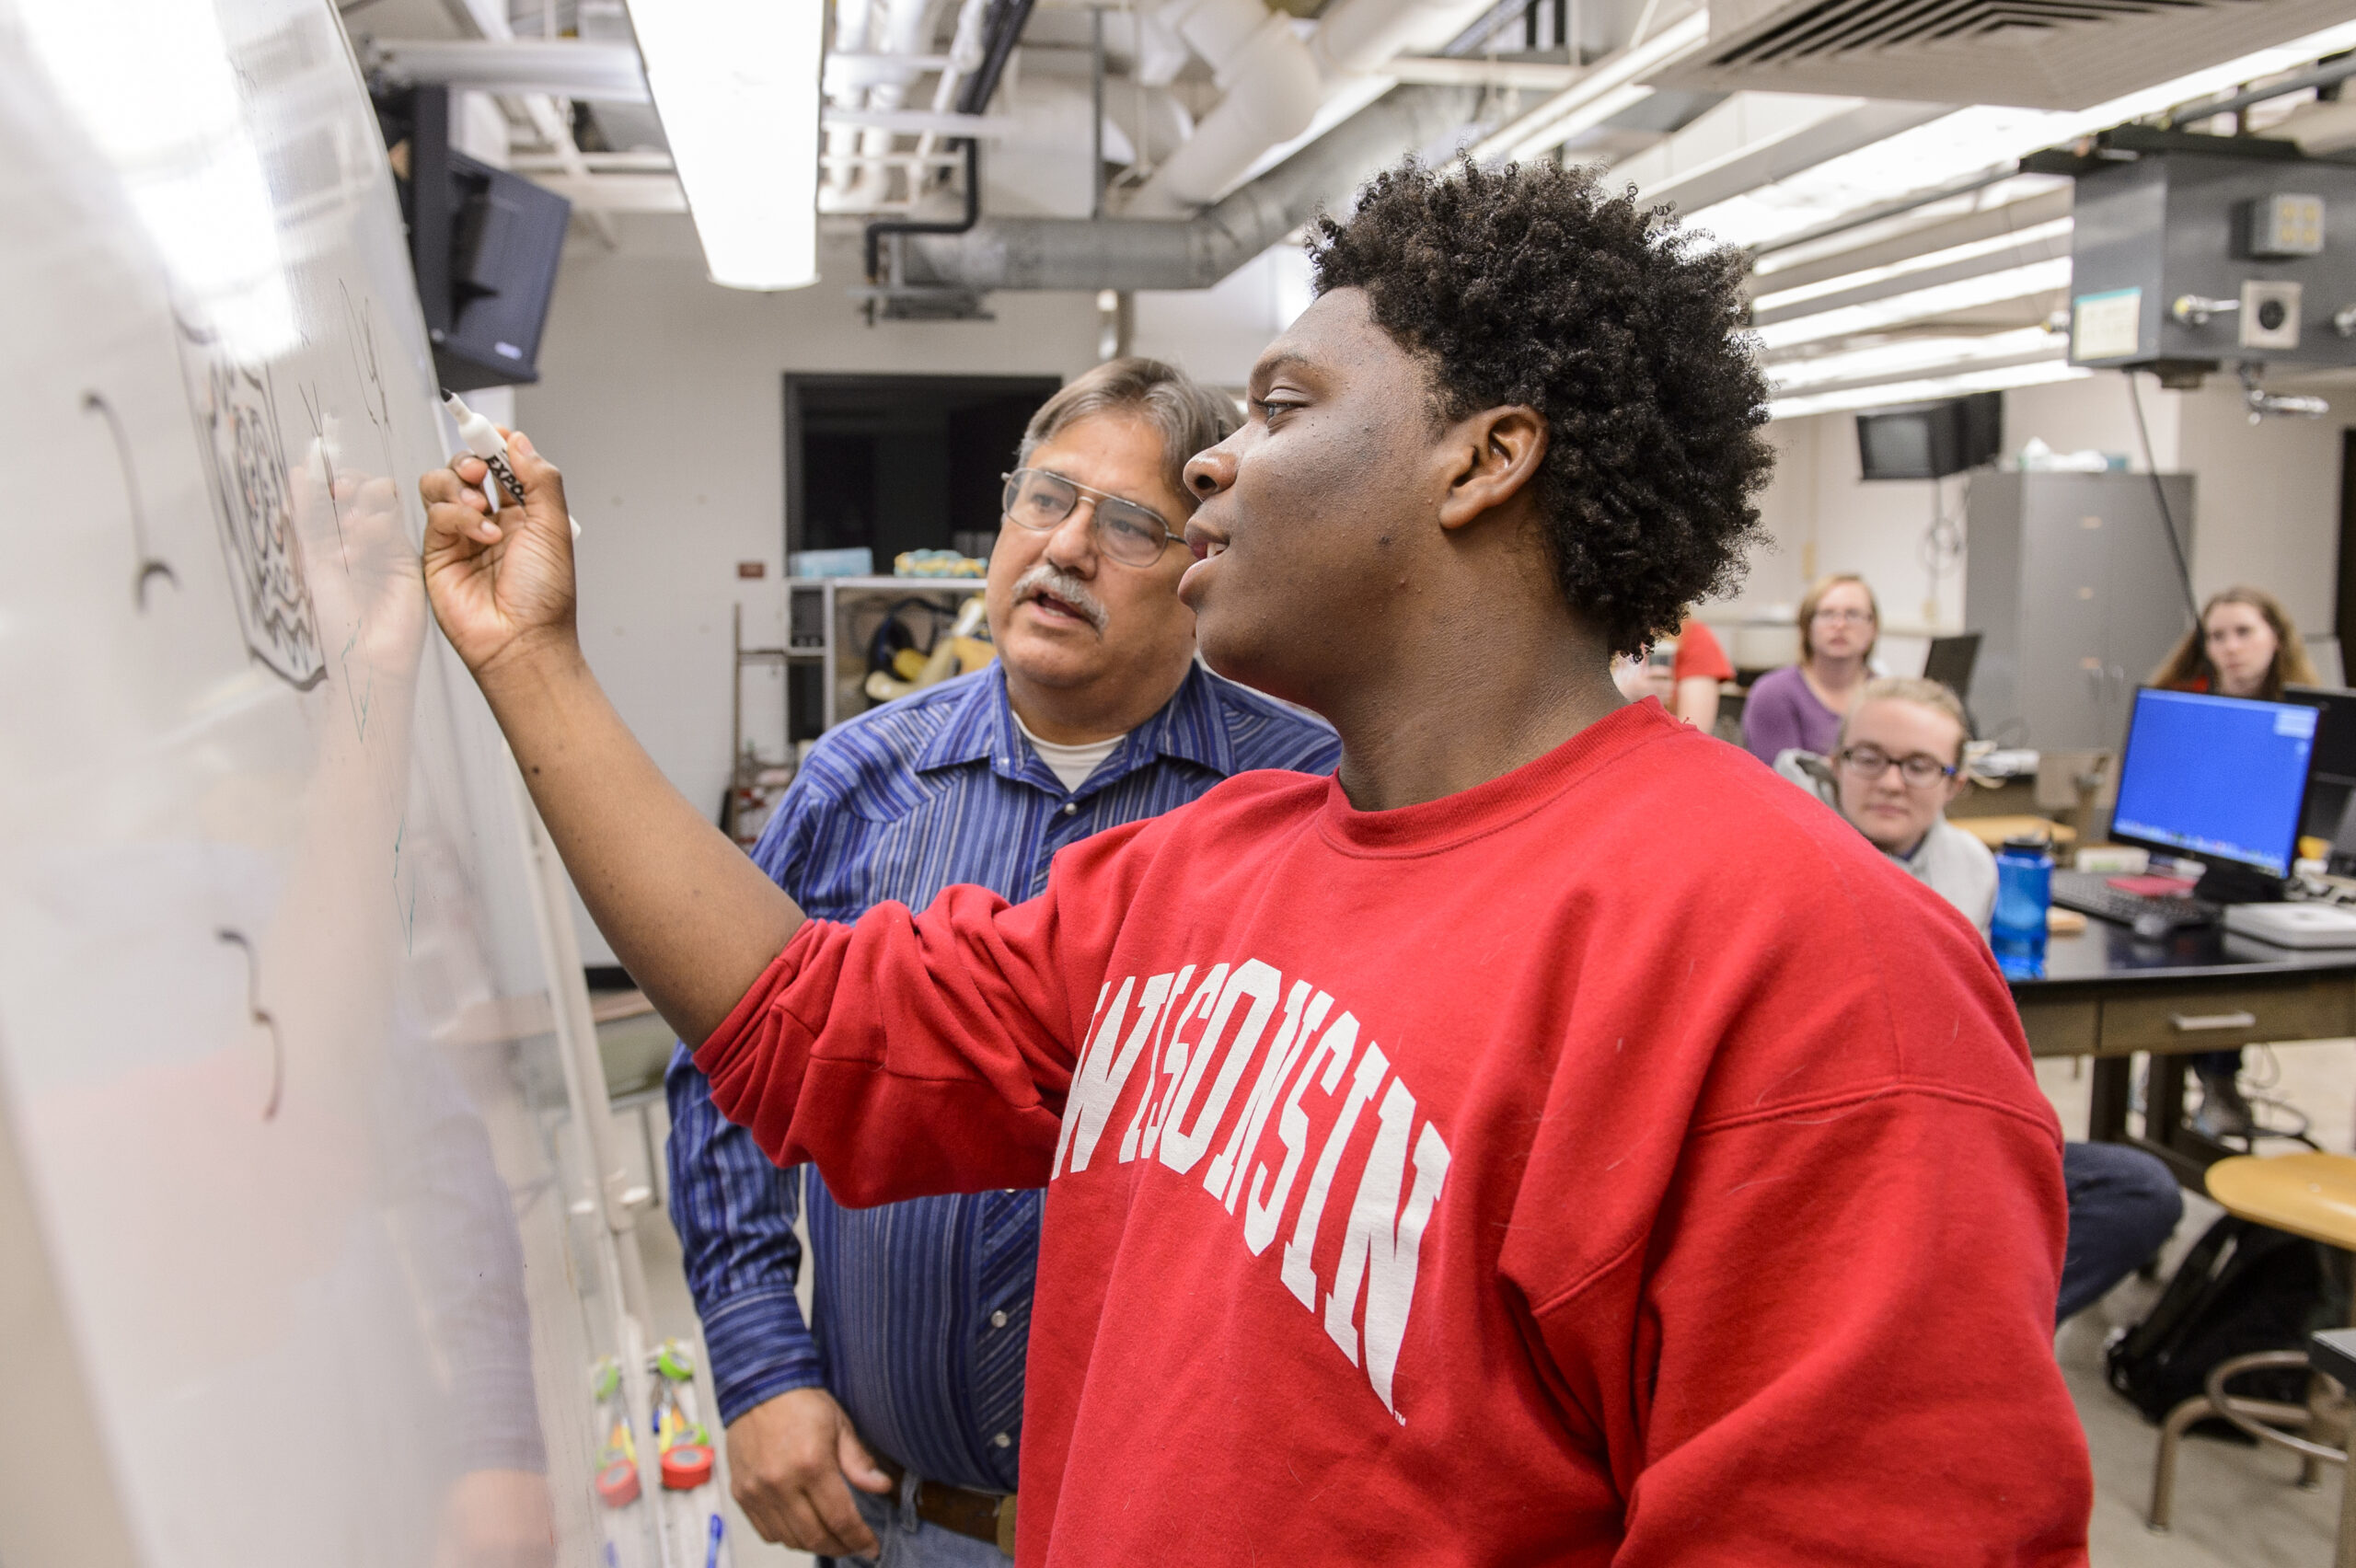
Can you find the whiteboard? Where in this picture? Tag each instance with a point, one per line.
(293, 1202)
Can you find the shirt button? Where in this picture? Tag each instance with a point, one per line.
(1070, 807)
(1003, 1441)
(998, 1319)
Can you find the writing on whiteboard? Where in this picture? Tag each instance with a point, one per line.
(245, 459)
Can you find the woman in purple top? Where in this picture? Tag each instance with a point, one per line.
(1802, 705)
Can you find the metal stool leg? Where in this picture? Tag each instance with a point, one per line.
(2171, 1430)
(2344, 1553)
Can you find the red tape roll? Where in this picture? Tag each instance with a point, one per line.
(618, 1483)
(686, 1466)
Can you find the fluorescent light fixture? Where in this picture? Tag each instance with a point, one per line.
(1964, 293)
(149, 81)
(1912, 357)
(1890, 392)
(736, 84)
(1604, 91)
(1973, 139)
(1995, 245)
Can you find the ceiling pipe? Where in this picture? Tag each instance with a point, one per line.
(1195, 253)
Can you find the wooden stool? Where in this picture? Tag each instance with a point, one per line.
(2312, 1195)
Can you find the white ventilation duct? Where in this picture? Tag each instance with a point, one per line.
(1271, 85)
(1146, 253)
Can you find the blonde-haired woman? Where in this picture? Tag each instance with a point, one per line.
(1801, 705)
(2246, 646)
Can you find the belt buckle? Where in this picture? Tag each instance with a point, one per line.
(1006, 1524)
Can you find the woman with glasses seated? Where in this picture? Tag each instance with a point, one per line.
(1898, 762)
(1800, 706)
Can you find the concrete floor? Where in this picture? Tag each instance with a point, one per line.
(2237, 1507)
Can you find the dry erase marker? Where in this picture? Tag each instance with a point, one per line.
(482, 439)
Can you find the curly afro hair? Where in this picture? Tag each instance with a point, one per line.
(1531, 285)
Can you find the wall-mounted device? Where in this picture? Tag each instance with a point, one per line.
(2191, 251)
(1929, 441)
(484, 243)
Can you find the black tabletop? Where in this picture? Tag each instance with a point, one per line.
(2107, 953)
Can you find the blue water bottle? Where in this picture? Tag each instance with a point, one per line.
(2023, 893)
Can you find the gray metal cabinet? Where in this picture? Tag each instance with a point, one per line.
(2070, 582)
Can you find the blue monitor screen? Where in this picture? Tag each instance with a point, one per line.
(2215, 776)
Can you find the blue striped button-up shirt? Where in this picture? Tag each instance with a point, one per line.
(921, 1309)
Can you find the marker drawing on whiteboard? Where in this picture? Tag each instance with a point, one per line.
(482, 439)
(93, 403)
(260, 1014)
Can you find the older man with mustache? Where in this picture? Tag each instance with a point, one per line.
(909, 1379)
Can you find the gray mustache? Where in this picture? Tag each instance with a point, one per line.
(1044, 577)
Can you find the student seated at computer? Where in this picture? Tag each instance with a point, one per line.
(2246, 645)
(1899, 763)
(1800, 706)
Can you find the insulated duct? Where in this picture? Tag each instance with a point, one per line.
(1194, 253)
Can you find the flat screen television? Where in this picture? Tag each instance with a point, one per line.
(1929, 441)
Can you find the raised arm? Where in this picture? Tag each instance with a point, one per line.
(689, 917)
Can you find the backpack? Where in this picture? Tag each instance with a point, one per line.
(2243, 1287)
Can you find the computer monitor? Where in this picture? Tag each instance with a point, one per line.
(1950, 661)
(2331, 778)
(2219, 779)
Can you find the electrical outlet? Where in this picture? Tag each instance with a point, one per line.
(2269, 314)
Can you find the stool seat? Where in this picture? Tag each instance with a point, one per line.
(2312, 1195)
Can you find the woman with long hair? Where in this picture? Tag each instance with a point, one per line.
(2245, 646)
(1801, 705)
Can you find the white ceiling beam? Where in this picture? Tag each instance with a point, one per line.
(1770, 158)
(1606, 87)
(1472, 71)
(566, 67)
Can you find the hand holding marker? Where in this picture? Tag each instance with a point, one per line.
(482, 439)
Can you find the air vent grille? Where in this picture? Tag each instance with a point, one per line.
(2035, 54)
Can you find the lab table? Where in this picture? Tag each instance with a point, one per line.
(2109, 994)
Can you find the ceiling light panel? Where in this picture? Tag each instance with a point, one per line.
(2035, 235)
(1911, 358)
(737, 85)
(1997, 380)
(1990, 288)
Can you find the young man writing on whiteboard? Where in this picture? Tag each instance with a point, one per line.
(1416, 1188)
(909, 1379)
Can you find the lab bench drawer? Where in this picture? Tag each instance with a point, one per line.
(2221, 1017)
(2061, 1028)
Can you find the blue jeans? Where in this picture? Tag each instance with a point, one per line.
(2123, 1206)
(907, 1542)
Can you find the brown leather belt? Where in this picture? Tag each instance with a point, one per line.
(981, 1515)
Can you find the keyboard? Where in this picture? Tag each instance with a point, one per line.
(2090, 892)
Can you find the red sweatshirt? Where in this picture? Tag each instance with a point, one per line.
(1618, 1162)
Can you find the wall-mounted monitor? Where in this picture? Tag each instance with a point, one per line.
(1929, 441)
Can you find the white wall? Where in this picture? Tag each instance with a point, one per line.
(2265, 502)
(661, 398)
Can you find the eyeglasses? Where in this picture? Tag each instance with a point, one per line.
(1862, 617)
(1126, 532)
(1869, 763)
